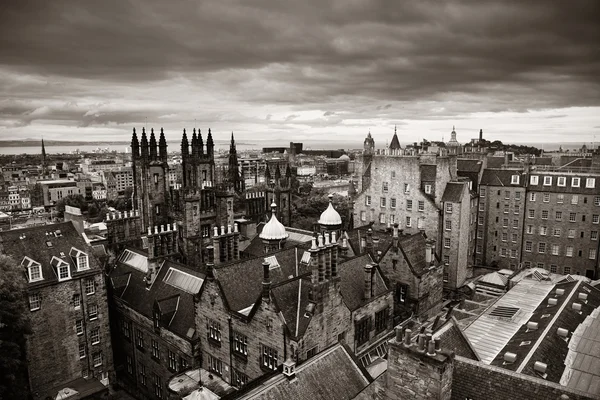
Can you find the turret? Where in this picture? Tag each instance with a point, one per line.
(144, 145)
(210, 145)
(153, 145)
(200, 143)
(162, 146)
(135, 145)
(185, 146)
(194, 144)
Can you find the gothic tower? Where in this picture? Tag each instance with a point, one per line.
(234, 177)
(367, 157)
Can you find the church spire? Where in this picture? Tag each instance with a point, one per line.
(162, 146)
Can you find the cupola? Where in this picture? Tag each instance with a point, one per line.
(330, 219)
(273, 230)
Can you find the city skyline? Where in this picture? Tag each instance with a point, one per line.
(524, 73)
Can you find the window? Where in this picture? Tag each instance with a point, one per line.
(514, 179)
(515, 224)
(562, 181)
(409, 205)
(503, 252)
(158, 386)
(143, 376)
(408, 222)
(597, 201)
(155, 350)
(363, 216)
(572, 217)
(93, 311)
(127, 329)
(544, 214)
(595, 219)
(529, 229)
(547, 180)
(546, 197)
(157, 209)
(506, 208)
(505, 222)
(95, 335)
(79, 327)
(479, 249)
(592, 254)
(382, 218)
(63, 272)
(240, 344)
(381, 320)
(139, 339)
(393, 202)
(129, 362)
(90, 286)
(393, 174)
(482, 192)
(531, 196)
(556, 232)
(513, 253)
(480, 220)
(575, 199)
(541, 247)
(76, 300)
(82, 262)
(553, 268)
(406, 188)
(531, 213)
(447, 243)
(172, 361)
(594, 235)
(382, 201)
(560, 198)
(448, 225)
(517, 195)
(213, 331)
(401, 292)
(240, 379)
(97, 357)
(513, 237)
(504, 236)
(575, 182)
(543, 230)
(590, 183)
(81, 350)
(540, 265)
(558, 216)
(534, 180)
(528, 246)
(269, 357)
(362, 331)
(156, 179)
(555, 249)
(569, 251)
(367, 200)
(479, 233)
(421, 205)
(385, 187)
(35, 301)
(446, 259)
(449, 208)
(571, 234)
(428, 189)
(567, 270)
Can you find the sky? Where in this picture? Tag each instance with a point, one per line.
(310, 70)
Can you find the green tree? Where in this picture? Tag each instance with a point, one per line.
(14, 325)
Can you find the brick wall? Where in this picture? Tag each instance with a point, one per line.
(474, 380)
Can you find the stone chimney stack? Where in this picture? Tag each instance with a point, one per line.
(266, 285)
(210, 264)
(321, 258)
(334, 256)
(368, 282)
(370, 240)
(328, 249)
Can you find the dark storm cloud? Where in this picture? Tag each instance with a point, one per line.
(373, 59)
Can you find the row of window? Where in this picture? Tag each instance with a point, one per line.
(553, 267)
(35, 300)
(391, 219)
(385, 187)
(554, 249)
(561, 181)
(61, 267)
(558, 216)
(363, 327)
(383, 202)
(560, 197)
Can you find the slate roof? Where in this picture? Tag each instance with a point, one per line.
(382, 240)
(569, 188)
(332, 374)
(257, 248)
(176, 305)
(352, 274)
(242, 293)
(452, 338)
(468, 165)
(428, 173)
(453, 192)
(501, 177)
(42, 243)
(294, 313)
(395, 144)
(413, 249)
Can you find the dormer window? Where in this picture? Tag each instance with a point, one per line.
(590, 183)
(156, 319)
(514, 180)
(80, 258)
(34, 269)
(562, 181)
(575, 182)
(534, 180)
(547, 181)
(63, 272)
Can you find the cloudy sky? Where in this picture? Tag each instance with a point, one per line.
(310, 70)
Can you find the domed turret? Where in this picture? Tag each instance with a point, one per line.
(330, 219)
(273, 230)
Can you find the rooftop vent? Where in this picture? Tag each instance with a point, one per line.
(532, 326)
(540, 368)
(564, 333)
(583, 297)
(509, 358)
(525, 343)
(62, 254)
(546, 315)
(560, 292)
(552, 302)
(504, 312)
(49, 243)
(577, 307)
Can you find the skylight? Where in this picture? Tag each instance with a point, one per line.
(305, 257)
(273, 263)
(134, 260)
(504, 312)
(184, 281)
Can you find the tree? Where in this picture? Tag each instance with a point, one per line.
(14, 325)
(307, 209)
(74, 200)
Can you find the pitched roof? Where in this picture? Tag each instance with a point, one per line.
(173, 297)
(451, 337)
(453, 192)
(468, 165)
(353, 281)
(42, 243)
(501, 177)
(291, 298)
(413, 250)
(332, 374)
(428, 173)
(295, 238)
(395, 144)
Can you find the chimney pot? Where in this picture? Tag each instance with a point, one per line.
(431, 348)
(236, 228)
(333, 237)
(407, 337)
(562, 332)
(438, 343)
(560, 292)
(421, 342)
(156, 229)
(583, 296)
(540, 367)
(229, 228)
(552, 301)
(510, 357)
(216, 231)
(222, 229)
(576, 306)
(399, 334)
(532, 326)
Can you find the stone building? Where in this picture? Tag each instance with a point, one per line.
(70, 347)
(502, 199)
(562, 223)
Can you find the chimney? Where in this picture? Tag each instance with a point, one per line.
(210, 264)
(150, 275)
(321, 259)
(368, 281)
(314, 261)
(428, 253)
(334, 255)
(266, 285)
(327, 251)
(370, 239)
(407, 337)
(480, 135)
(344, 249)
(289, 368)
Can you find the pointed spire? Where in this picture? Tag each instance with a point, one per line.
(232, 148)
(288, 171)
(153, 145)
(135, 145)
(43, 150)
(144, 144)
(200, 143)
(267, 175)
(277, 174)
(185, 146)
(194, 144)
(210, 145)
(162, 146)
